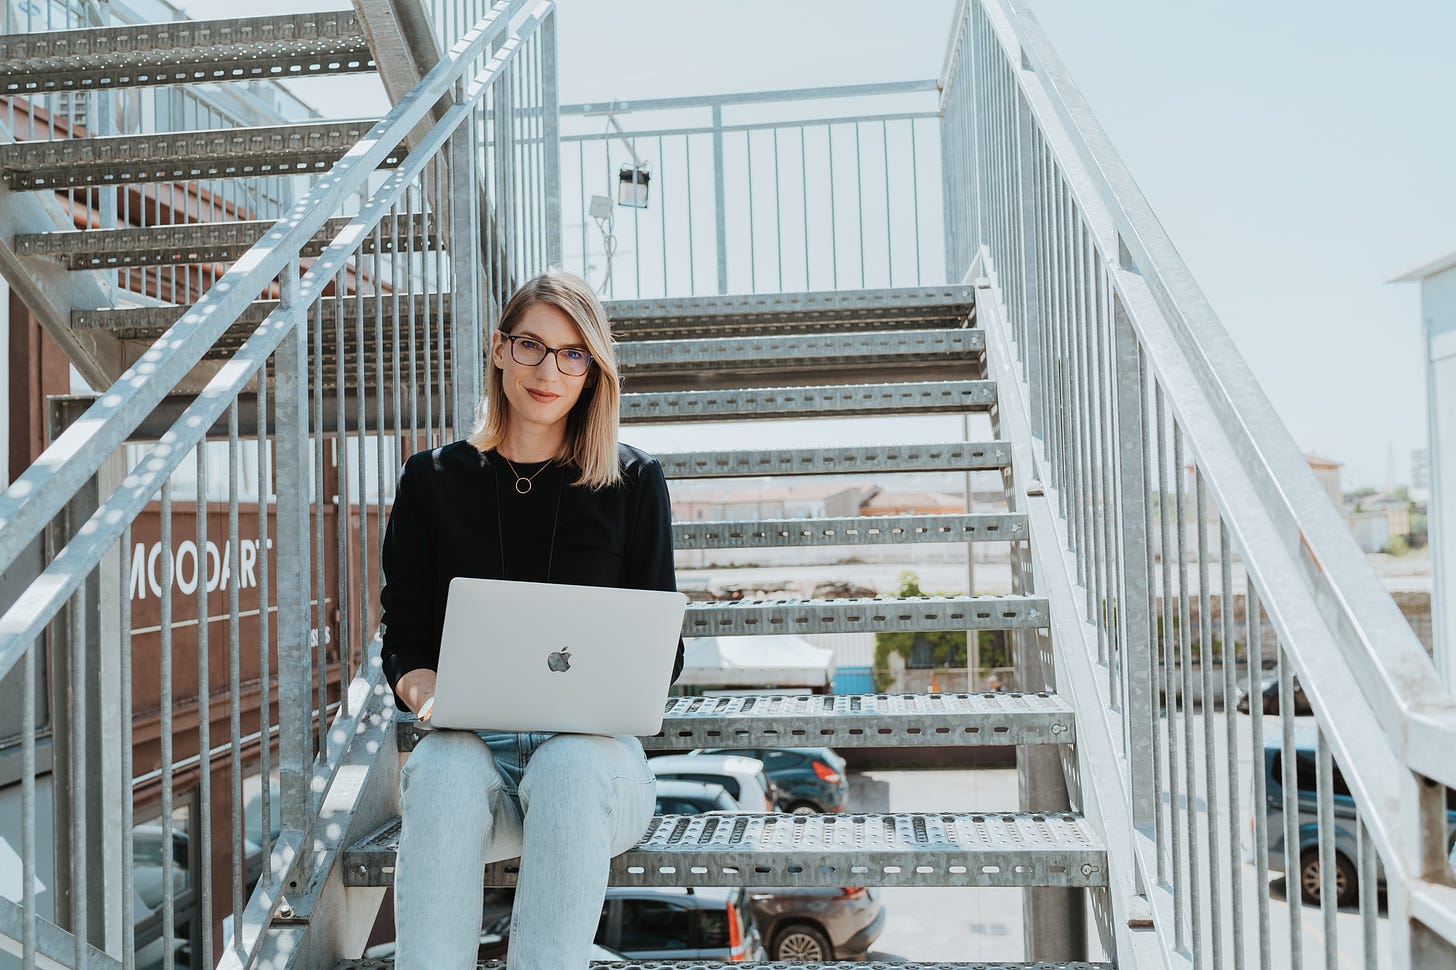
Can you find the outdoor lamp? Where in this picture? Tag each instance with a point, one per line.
(632, 185)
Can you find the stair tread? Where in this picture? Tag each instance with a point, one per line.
(842, 400)
(268, 150)
(844, 849)
(185, 51)
(388, 964)
(875, 458)
(849, 721)
(858, 530)
(865, 614)
(914, 306)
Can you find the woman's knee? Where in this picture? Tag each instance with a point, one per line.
(450, 765)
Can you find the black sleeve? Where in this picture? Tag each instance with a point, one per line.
(649, 544)
(407, 584)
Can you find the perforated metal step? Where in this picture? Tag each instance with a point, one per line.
(208, 242)
(880, 356)
(844, 400)
(850, 721)
(866, 615)
(180, 156)
(900, 849)
(904, 308)
(702, 964)
(948, 456)
(856, 530)
(183, 52)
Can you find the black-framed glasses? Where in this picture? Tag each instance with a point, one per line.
(530, 351)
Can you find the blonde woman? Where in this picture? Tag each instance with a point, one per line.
(542, 491)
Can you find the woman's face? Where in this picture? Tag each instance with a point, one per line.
(540, 395)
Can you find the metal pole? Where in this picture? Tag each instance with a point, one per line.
(467, 378)
(551, 136)
(719, 213)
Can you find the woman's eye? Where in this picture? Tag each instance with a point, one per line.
(576, 355)
(530, 344)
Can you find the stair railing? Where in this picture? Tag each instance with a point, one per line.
(1184, 543)
(374, 351)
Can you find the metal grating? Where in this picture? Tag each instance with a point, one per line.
(184, 52)
(897, 849)
(778, 349)
(849, 721)
(714, 964)
(928, 397)
(949, 456)
(183, 155)
(857, 530)
(209, 242)
(865, 615)
(763, 313)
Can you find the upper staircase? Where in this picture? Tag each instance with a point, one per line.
(316, 294)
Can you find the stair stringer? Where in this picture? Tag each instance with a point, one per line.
(1135, 923)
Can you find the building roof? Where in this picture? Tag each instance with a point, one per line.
(1427, 270)
(913, 500)
(1315, 461)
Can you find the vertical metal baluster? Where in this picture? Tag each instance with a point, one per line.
(1231, 737)
(235, 672)
(661, 215)
(1185, 652)
(1289, 782)
(169, 895)
(688, 177)
(1168, 640)
(361, 590)
(79, 916)
(581, 178)
(379, 388)
(1259, 808)
(833, 211)
(265, 666)
(752, 250)
(778, 212)
(1329, 899)
(394, 304)
(204, 691)
(341, 519)
(889, 240)
(442, 325)
(128, 861)
(859, 204)
(804, 198)
(915, 201)
(1205, 670)
(409, 283)
(1369, 893)
(318, 677)
(426, 282)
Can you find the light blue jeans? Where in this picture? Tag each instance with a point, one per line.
(565, 804)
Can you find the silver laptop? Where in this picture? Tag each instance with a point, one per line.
(518, 656)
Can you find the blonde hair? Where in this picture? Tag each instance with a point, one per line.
(592, 424)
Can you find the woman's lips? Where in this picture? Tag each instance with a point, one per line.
(543, 397)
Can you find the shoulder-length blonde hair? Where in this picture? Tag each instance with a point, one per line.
(592, 425)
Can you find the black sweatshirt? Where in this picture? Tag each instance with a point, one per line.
(444, 524)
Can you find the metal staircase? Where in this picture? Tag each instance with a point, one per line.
(320, 300)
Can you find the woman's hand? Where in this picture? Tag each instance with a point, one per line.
(416, 687)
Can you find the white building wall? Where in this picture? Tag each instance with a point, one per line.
(1438, 305)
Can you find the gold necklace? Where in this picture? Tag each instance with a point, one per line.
(520, 490)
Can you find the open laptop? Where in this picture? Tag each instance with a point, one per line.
(518, 656)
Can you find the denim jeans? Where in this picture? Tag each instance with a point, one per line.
(564, 803)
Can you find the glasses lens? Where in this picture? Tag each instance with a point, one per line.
(527, 351)
(573, 362)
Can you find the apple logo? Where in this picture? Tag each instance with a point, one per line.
(559, 660)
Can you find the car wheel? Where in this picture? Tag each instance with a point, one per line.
(805, 808)
(801, 943)
(1309, 878)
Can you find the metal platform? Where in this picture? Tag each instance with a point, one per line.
(950, 456)
(916, 308)
(858, 530)
(184, 155)
(845, 400)
(895, 849)
(209, 242)
(849, 721)
(864, 615)
(184, 52)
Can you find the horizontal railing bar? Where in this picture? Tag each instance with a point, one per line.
(758, 126)
(751, 97)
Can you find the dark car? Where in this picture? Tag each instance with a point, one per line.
(806, 924)
(692, 798)
(808, 780)
(1269, 694)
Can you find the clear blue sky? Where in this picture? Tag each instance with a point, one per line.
(1299, 155)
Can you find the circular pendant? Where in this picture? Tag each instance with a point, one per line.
(523, 485)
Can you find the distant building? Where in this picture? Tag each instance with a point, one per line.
(912, 503)
(1327, 471)
(1420, 475)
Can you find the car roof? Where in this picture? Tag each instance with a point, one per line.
(1306, 738)
(708, 896)
(724, 764)
(674, 788)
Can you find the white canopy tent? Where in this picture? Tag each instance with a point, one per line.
(777, 660)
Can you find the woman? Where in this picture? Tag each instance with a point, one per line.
(542, 491)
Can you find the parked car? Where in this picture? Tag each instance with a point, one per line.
(692, 798)
(1346, 847)
(744, 778)
(1269, 694)
(807, 780)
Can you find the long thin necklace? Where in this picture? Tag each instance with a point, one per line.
(521, 478)
(500, 531)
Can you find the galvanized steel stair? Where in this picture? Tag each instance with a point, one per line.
(750, 965)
